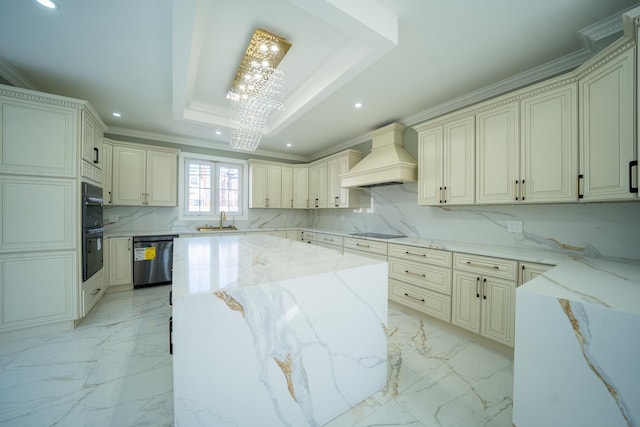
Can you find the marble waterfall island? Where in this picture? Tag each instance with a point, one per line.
(274, 332)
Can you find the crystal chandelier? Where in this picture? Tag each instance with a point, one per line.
(256, 89)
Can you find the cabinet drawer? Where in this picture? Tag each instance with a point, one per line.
(371, 246)
(329, 239)
(426, 276)
(430, 256)
(496, 267)
(92, 292)
(432, 303)
(306, 236)
(365, 254)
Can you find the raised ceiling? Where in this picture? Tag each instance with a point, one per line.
(166, 65)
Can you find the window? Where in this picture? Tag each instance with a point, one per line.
(211, 185)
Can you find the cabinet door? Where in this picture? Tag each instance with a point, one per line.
(98, 143)
(274, 186)
(530, 270)
(38, 139)
(287, 187)
(120, 261)
(301, 187)
(498, 309)
(161, 179)
(38, 288)
(107, 165)
(497, 155)
(549, 160)
(88, 137)
(459, 162)
(430, 167)
(258, 182)
(606, 130)
(333, 184)
(129, 167)
(347, 197)
(466, 301)
(318, 186)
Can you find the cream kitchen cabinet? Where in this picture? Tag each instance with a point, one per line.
(497, 153)
(300, 186)
(318, 185)
(287, 187)
(92, 290)
(608, 151)
(367, 248)
(483, 296)
(529, 270)
(265, 184)
(144, 176)
(107, 168)
(446, 150)
(92, 140)
(549, 143)
(338, 197)
(420, 278)
(38, 137)
(330, 241)
(120, 261)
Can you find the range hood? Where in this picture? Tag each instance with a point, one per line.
(387, 164)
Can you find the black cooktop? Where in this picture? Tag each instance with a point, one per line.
(377, 235)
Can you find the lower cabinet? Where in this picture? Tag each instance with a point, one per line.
(421, 279)
(38, 289)
(483, 296)
(92, 291)
(120, 261)
(367, 248)
(330, 241)
(529, 270)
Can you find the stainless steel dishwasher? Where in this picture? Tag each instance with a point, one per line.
(152, 260)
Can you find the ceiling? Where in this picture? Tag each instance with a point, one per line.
(166, 65)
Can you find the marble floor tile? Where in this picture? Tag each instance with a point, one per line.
(115, 369)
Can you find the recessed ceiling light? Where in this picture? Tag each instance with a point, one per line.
(289, 145)
(48, 3)
(358, 105)
(218, 132)
(117, 115)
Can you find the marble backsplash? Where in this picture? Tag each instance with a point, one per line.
(594, 229)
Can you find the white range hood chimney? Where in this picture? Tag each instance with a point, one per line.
(388, 163)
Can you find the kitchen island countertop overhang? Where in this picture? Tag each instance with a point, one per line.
(269, 331)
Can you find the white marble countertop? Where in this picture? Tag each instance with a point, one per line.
(218, 262)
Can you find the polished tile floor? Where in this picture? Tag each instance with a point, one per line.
(115, 370)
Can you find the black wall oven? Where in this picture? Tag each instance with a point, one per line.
(92, 230)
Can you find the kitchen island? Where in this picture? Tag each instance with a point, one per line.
(268, 331)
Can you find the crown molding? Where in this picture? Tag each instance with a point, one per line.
(14, 77)
(194, 142)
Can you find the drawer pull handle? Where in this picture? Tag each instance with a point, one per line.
(415, 254)
(415, 274)
(490, 267)
(328, 239)
(412, 297)
(96, 292)
(364, 246)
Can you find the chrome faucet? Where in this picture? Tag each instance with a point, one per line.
(223, 217)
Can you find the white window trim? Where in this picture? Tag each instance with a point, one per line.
(182, 194)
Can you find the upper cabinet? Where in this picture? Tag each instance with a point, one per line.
(107, 167)
(497, 154)
(265, 184)
(338, 197)
(144, 175)
(567, 139)
(318, 185)
(300, 186)
(446, 157)
(92, 139)
(25, 125)
(607, 146)
(549, 144)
